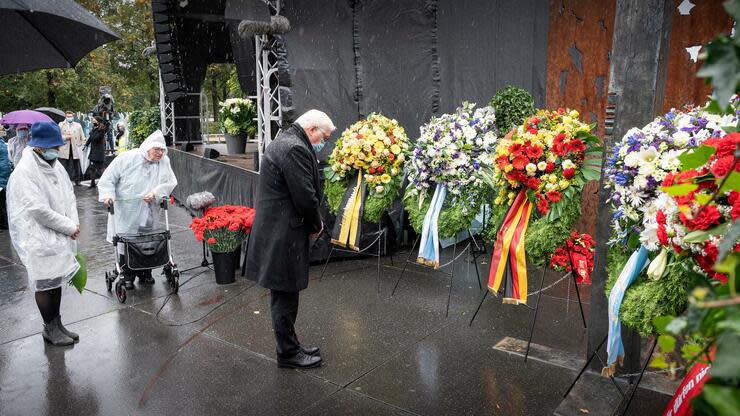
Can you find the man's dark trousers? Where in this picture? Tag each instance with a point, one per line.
(284, 306)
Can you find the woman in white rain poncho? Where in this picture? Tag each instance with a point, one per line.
(135, 182)
(42, 215)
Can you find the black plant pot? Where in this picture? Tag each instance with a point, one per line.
(223, 265)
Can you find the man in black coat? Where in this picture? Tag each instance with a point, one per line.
(288, 198)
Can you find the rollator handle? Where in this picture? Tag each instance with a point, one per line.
(164, 203)
(110, 208)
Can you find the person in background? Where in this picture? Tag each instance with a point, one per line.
(289, 195)
(135, 182)
(42, 212)
(18, 143)
(69, 154)
(5, 168)
(96, 143)
(3, 133)
(120, 135)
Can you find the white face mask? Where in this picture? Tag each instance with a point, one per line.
(70, 119)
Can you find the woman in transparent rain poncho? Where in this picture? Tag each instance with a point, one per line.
(42, 215)
(135, 182)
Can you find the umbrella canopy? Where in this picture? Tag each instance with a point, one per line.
(55, 113)
(24, 117)
(47, 34)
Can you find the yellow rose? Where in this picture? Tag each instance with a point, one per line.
(379, 146)
(552, 178)
(385, 178)
(396, 149)
(564, 184)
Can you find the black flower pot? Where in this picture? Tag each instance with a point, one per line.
(224, 267)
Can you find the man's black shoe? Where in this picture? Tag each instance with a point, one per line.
(299, 360)
(310, 350)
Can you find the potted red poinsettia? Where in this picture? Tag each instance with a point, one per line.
(224, 228)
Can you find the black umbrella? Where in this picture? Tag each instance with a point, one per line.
(41, 34)
(55, 113)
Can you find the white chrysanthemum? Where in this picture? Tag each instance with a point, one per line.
(632, 160)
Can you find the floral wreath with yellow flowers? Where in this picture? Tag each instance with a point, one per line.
(378, 147)
(551, 157)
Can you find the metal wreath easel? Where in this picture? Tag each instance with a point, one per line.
(382, 233)
(631, 389)
(539, 296)
(474, 253)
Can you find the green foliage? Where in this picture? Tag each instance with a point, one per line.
(237, 116)
(721, 58)
(617, 257)
(544, 236)
(647, 299)
(375, 205)
(696, 157)
(142, 123)
(512, 105)
(119, 64)
(452, 220)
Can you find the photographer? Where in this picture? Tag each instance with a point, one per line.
(104, 109)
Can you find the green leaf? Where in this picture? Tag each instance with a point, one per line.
(677, 326)
(727, 360)
(658, 362)
(661, 322)
(697, 157)
(667, 343)
(724, 399)
(690, 351)
(729, 239)
(79, 280)
(703, 199)
(732, 183)
(679, 190)
(722, 67)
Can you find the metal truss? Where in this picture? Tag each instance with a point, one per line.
(269, 108)
(166, 113)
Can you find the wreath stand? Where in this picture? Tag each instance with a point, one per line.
(539, 296)
(382, 233)
(468, 249)
(204, 263)
(633, 385)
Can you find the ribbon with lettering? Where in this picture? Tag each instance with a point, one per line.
(346, 231)
(614, 347)
(508, 263)
(429, 246)
(690, 387)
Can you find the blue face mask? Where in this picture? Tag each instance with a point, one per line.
(22, 134)
(50, 154)
(70, 119)
(317, 147)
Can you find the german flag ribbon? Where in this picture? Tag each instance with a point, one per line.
(508, 263)
(346, 231)
(429, 246)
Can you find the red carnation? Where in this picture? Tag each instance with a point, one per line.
(569, 173)
(553, 196)
(577, 146)
(534, 152)
(391, 156)
(533, 183)
(371, 171)
(734, 199)
(560, 148)
(520, 162)
(707, 217)
(503, 162)
(660, 217)
(532, 131)
(662, 234)
(542, 206)
(722, 166)
(380, 169)
(211, 240)
(550, 167)
(516, 149)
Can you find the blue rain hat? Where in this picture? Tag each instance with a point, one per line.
(45, 134)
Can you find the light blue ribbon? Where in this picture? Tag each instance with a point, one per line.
(615, 349)
(429, 247)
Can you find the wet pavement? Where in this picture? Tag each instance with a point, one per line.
(210, 350)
